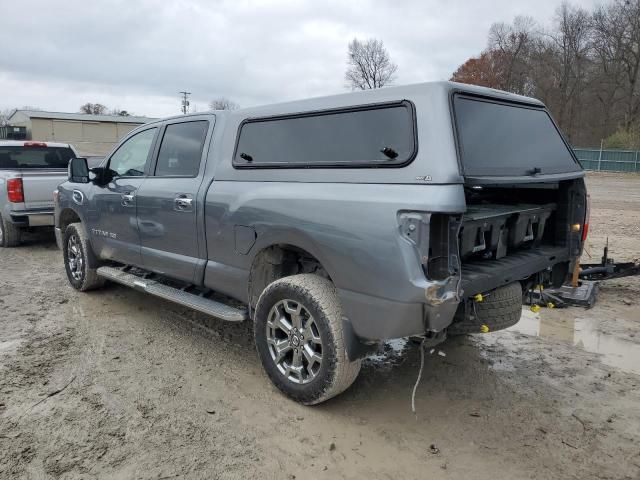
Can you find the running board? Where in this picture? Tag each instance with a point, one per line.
(202, 304)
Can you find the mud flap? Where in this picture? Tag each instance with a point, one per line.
(354, 346)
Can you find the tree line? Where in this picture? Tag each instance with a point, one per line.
(99, 109)
(585, 66)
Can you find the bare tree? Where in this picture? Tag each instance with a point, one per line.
(119, 112)
(569, 48)
(93, 109)
(617, 33)
(223, 103)
(4, 116)
(369, 65)
(514, 42)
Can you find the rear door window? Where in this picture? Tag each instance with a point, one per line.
(181, 149)
(372, 136)
(502, 139)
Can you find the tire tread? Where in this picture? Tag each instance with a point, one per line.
(324, 295)
(91, 280)
(501, 309)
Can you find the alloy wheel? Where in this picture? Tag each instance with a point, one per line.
(75, 259)
(294, 341)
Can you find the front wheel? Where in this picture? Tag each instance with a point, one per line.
(299, 337)
(79, 260)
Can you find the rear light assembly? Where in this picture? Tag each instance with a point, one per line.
(15, 192)
(587, 214)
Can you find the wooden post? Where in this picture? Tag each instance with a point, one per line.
(576, 274)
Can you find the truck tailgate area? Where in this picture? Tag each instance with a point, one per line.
(38, 187)
(513, 233)
(481, 275)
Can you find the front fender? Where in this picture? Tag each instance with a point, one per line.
(67, 210)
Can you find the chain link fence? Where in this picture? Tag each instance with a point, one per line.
(609, 160)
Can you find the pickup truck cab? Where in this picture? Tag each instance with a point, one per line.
(30, 171)
(335, 223)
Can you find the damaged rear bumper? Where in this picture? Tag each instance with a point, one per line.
(373, 318)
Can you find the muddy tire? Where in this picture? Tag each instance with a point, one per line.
(79, 260)
(299, 338)
(500, 309)
(9, 234)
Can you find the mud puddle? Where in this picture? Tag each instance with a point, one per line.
(584, 332)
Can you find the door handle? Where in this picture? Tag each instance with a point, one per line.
(183, 203)
(127, 198)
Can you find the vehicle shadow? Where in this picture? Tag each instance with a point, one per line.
(41, 237)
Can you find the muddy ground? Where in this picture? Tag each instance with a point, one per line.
(116, 384)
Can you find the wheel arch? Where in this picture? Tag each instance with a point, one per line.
(279, 260)
(66, 217)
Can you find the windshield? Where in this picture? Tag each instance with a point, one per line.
(34, 157)
(499, 139)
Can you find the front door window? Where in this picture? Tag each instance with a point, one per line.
(131, 158)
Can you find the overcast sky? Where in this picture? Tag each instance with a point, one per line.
(137, 55)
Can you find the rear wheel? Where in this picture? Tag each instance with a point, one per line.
(299, 337)
(500, 309)
(79, 260)
(9, 234)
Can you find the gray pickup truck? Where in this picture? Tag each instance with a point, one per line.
(29, 173)
(335, 223)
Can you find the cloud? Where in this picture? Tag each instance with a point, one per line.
(139, 55)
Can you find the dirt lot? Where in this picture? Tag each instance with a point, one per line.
(116, 384)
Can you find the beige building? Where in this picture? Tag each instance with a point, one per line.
(92, 135)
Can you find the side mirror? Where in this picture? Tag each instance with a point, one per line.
(78, 170)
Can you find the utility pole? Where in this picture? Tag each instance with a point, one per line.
(185, 102)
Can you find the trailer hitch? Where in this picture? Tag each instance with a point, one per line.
(608, 268)
(584, 292)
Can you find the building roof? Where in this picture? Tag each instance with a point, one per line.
(82, 117)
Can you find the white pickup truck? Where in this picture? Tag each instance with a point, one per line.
(29, 173)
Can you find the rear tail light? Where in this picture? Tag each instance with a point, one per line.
(587, 213)
(15, 193)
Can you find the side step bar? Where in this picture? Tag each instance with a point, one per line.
(202, 304)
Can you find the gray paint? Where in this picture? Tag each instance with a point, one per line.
(347, 218)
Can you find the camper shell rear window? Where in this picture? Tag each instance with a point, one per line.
(382, 135)
(508, 139)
